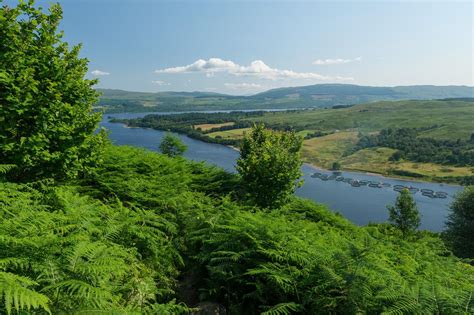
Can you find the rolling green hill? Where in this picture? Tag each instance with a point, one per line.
(317, 96)
(442, 119)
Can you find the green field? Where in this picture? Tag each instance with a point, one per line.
(230, 134)
(323, 151)
(376, 160)
(206, 127)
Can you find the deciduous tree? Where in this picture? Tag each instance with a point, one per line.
(47, 123)
(460, 225)
(404, 214)
(269, 165)
(172, 146)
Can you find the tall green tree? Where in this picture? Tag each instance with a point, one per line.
(404, 214)
(172, 146)
(46, 119)
(270, 165)
(459, 232)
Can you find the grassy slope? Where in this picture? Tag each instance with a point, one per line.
(329, 148)
(376, 160)
(455, 118)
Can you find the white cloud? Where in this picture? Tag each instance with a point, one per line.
(243, 86)
(256, 68)
(336, 61)
(99, 73)
(159, 82)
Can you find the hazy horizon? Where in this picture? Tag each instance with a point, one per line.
(282, 87)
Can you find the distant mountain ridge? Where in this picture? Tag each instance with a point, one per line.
(311, 96)
(396, 92)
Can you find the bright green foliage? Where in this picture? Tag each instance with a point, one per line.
(269, 165)
(15, 292)
(172, 146)
(46, 120)
(460, 225)
(404, 214)
(125, 239)
(79, 254)
(284, 262)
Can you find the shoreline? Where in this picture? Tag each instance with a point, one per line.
(400, 178)
(356, 171)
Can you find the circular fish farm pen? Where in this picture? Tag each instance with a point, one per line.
(428, 194)
(375, 185)
(336, 176)
(441, 194)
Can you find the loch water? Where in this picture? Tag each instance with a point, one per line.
(360, 205)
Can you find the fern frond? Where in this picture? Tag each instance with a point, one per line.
(5, 168)
(282, 309)
(16, 295)
(402, 306)
(81, 290)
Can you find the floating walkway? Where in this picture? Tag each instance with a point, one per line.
(336, 176)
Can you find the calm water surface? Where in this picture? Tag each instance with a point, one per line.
(361, 205)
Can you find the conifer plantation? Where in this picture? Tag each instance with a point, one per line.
(87, 227)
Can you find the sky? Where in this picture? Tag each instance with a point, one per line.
(245, 47)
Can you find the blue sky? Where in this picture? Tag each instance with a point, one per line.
(243, 47)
